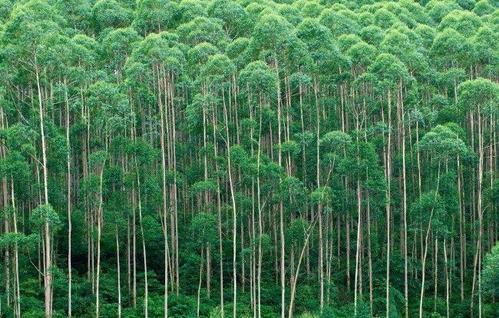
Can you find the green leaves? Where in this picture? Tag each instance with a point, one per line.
(480, 94)
(202, 29)
(110, 14)
(218, 69)
(442, 142)
(388, 71)
(233, 15)
(490, 274)
(43, 214)
(335, 141)
(202, 186)
(110, 107)
(154, 15)
(322, 195)
(203, 227)
(258, 78)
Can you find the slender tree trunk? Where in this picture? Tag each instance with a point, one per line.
(164, 192)
(260, 220)
(462, 220)
(369, 255)
(425, 253)
(447, 280)
(17, 303)
(118, 271)
(281, 208)
(99, 217)
(234, 214)
(435, 275)
(319, 208)
(295, 277)
(404, 209)
(201, 264)
(357, 252)
(388, 206)
(359, 223)
(47, 280)
(70, 224)
(144, 254)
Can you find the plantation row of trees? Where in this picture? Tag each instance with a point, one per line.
(239, 158)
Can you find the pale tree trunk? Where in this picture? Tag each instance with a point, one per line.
(388, 206)
(477, 271)
(144, 254)
(99, 231)
(260, 225)
(359, 229)
(17, 302)
(47, 280)
(357, 252)
(164, 193)
(17, 295)
(435, 275)
(219, 225)
(319, 208)
(282, 269)
(200, 282)
(234, 213)
(404, 209)
(369, 255)
(7, 250)
(447, 284)
(425, 253)
(118, 270)
(462, 220)
(174, 186)
(70, 224)
(295, 278)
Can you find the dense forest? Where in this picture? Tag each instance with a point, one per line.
(249, 158)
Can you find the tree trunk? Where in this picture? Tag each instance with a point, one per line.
(295, 278)
(388, 206)
(70, 224)
(99, 217)
(47, 280)
(118, 271)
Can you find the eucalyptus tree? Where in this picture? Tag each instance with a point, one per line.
(108, 14)
(480, 97)
(198, 116)
(203, 228)
(154, 16)
(217, 74)
(30, 30)
(15, 150)
(443, 143)
(275, 40)
(259, 81)
(202, 29)
(391, 74)
(324, 54)
(399, 44)
(334, 145)
(233, 16)
(159, 62)
(116, 47)
(111, 109)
